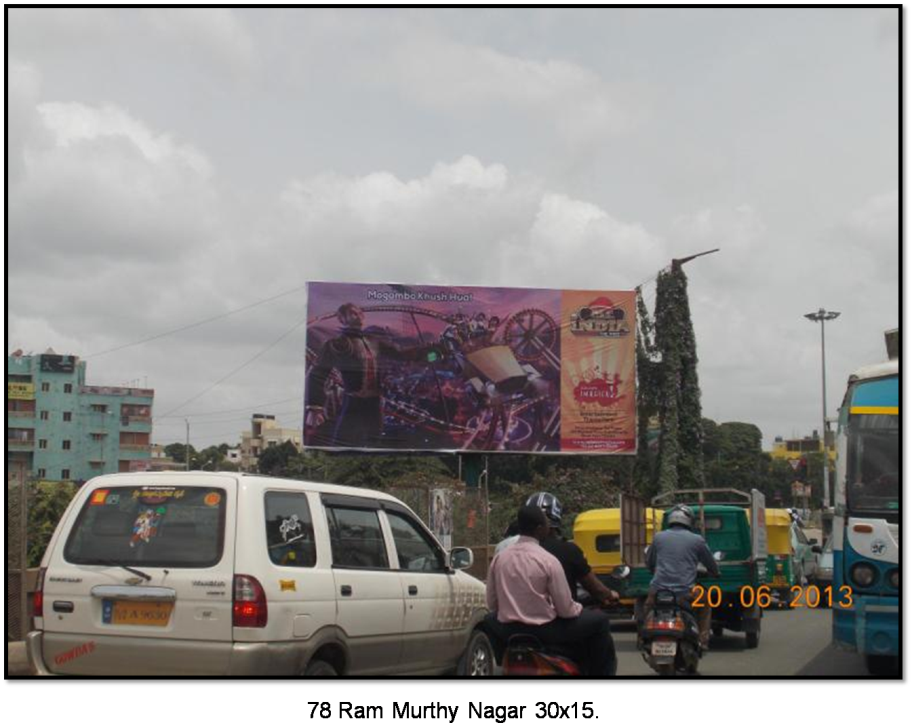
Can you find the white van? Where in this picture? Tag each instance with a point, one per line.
(219, 573)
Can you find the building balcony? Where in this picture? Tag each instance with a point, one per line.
(20, 444)
(21, 415)
(136, 447)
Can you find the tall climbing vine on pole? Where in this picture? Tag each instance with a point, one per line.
(670, 388)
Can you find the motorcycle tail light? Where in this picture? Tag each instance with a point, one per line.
(675, 624)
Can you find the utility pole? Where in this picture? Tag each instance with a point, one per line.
(187, 446)
(823, 316)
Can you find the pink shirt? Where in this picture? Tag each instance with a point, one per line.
(526, 584)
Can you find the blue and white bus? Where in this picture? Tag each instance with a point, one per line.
(867, 516)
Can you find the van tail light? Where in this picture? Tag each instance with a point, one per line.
(250, 610)
(38, 595)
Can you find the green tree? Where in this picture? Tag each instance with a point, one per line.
(178, 451)
(47, 501)
(276, 460)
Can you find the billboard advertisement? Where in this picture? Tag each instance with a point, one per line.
(20, 390)
(60, 363)
(461, 368)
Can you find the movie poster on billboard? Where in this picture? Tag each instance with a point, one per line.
(459, 368)
(598, 370)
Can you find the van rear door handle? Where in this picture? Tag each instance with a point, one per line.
(413, 589)
(346, 590)
(63, 606)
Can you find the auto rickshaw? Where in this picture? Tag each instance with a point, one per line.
(724, 518)
(598, 534)
(780, 562)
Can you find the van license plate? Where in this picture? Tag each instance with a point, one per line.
(779, 581)
(140, 612)
(664, 648)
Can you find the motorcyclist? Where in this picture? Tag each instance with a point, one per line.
(673, 558)
(528, 594)
(572, 559)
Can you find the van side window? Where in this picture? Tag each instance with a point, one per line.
(356, 538)
(289, 530)
(415, 550)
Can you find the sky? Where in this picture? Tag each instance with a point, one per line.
(167, 166)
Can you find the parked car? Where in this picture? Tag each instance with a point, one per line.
(212, 574)
(823, 576)
(804, 557)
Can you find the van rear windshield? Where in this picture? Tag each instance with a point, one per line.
(150, 526)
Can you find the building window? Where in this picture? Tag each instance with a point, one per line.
(98, 436)
(45, 386)
(42, 472)
(42, 444)
(64, 474)
(143, 411)
(100, 408)
(67, 388)
(66, 444)
(67, 416)
(44, 414)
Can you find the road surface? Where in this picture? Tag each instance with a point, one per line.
(792, 643)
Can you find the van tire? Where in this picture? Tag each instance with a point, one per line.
(320, 669)
(752, 639)
(478, 658)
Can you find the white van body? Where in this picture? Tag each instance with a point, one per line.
(350, 582)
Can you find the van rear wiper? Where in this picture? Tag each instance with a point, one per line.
(145, 576)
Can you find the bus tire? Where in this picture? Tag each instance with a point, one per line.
(883, 666)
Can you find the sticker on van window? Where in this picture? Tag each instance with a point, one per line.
(290, 527)
(212, 499)
(157, 495)
(113, 499)
(98, 497)
(145, 526)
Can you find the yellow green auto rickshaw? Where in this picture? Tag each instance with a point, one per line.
(780, 567)
(598, 534)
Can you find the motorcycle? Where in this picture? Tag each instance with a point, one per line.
(527, 656)
(669, 637)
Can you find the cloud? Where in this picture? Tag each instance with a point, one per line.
(758, 355)
(463, 222)
(24, 126)
(118, 190)
(465, 79)
(61, 29)
(214, 35)
(888, 27)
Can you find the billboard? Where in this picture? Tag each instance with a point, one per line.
(60, 363)
(460, 368)
(20, 390)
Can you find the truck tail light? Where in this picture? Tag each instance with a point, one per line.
(250, 609)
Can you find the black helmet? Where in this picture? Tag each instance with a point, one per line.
(549, 504)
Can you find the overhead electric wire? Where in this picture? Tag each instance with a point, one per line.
(195, 323)
(236, 409)
(234, 371)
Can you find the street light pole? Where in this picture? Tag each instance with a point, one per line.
(187, 446)
(823, 316)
